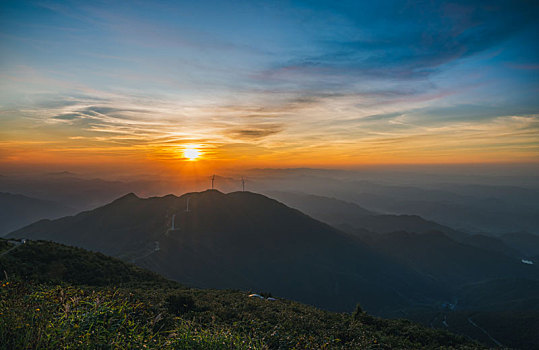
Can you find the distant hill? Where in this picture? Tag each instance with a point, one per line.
(71, 189)
(17, 211)
(494, 244)
(466, 207)
(526, 243)
(470, 208)
(355, 219)
(242, 240)
(326, 208)
(449, 262)
(124, 226)
(112, 302)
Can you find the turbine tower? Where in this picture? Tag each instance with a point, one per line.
(243, 184)
(187, 209)
(212, 180)
(173, 218)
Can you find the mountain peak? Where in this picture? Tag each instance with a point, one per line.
(61, 173)
(128, 196)
(211, 190)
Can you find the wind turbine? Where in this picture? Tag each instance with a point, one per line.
(243, 184)
(212, 180)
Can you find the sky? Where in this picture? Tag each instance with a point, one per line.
(133, 84)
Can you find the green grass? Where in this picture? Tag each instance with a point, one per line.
(64, 317)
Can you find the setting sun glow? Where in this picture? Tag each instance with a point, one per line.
(191, 153)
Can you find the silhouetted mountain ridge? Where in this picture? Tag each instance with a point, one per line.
(355, 219)
(241, 240)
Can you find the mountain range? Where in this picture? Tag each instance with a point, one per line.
(242, 240)
(353, 218)
(17, 210)
(249, 241)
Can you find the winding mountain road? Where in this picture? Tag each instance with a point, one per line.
(484, 331)
(17, 244)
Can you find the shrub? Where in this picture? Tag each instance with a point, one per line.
(358, 312)
(178, 304)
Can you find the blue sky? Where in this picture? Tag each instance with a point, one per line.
(346, 82)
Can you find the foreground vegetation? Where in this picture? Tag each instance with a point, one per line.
(62, 317)
(45, 303)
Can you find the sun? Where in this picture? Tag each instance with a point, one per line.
(191, 153)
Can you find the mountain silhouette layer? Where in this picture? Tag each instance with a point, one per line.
(17, 211)
(241, 240)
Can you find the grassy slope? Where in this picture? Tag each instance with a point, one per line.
(41, 261)
(46, 303)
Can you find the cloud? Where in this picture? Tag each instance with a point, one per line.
(255, 132)
(67, 116)
(408, 40)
